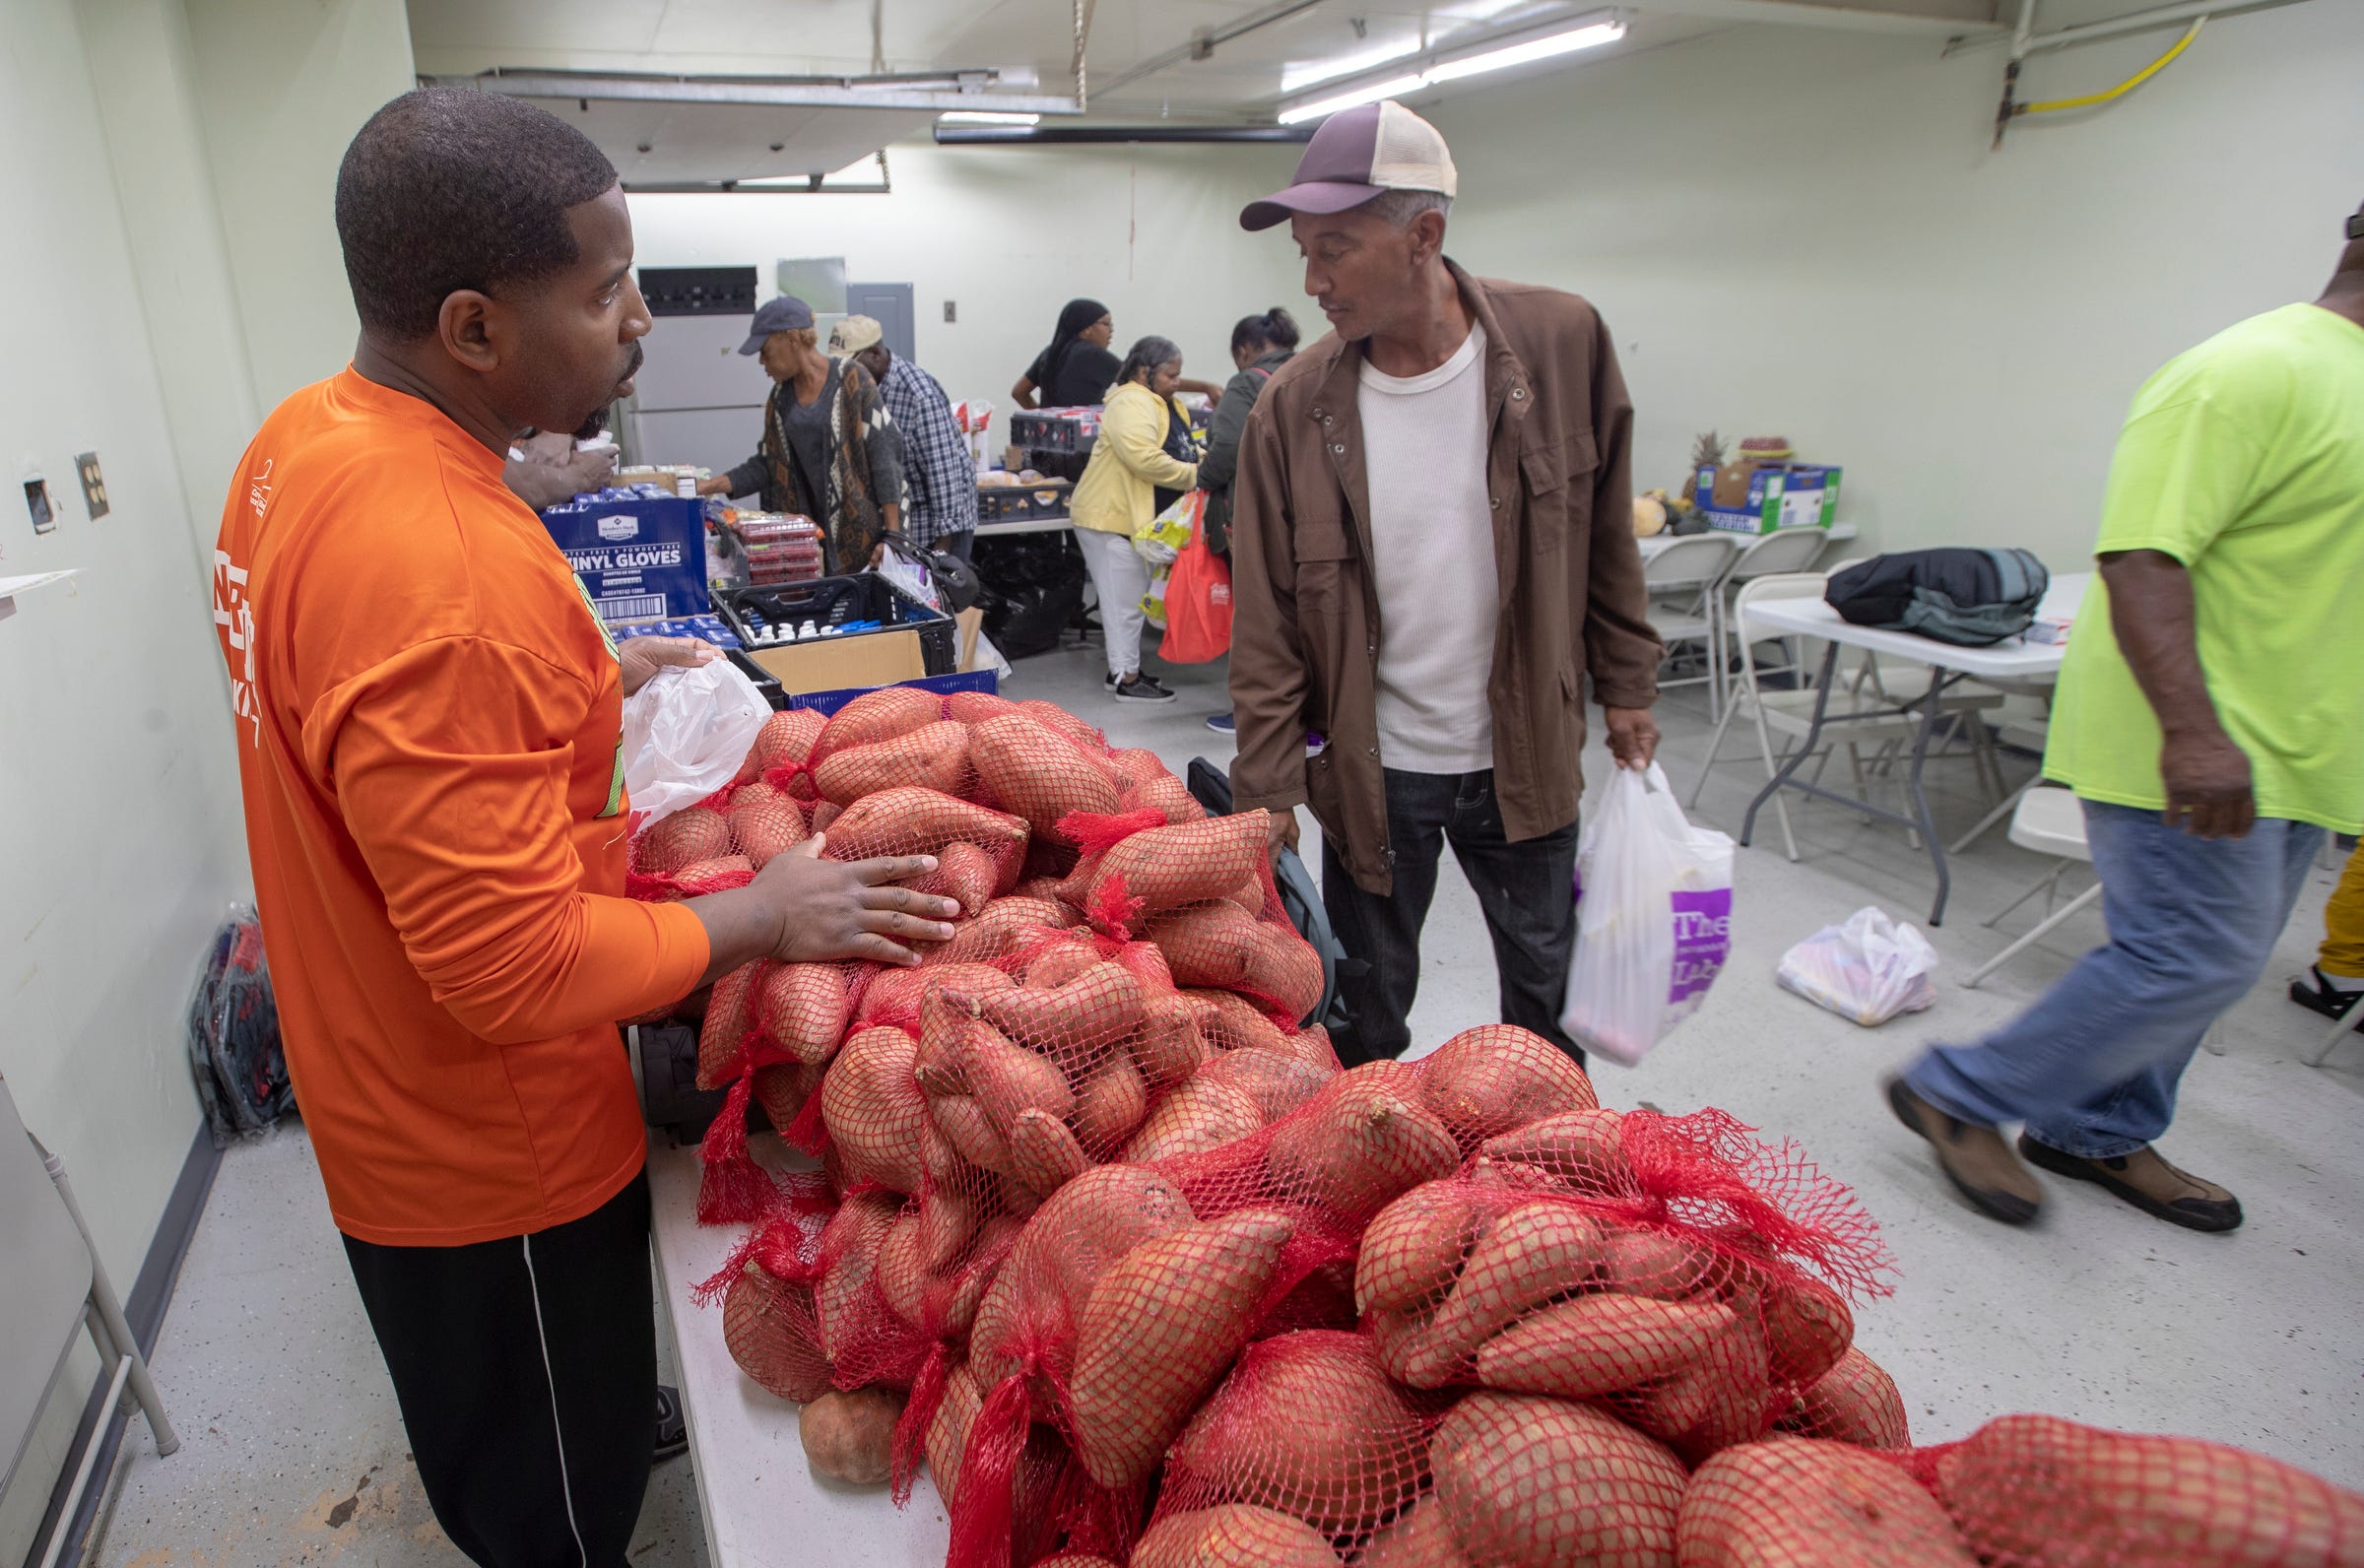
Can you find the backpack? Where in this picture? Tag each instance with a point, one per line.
(1969, 598)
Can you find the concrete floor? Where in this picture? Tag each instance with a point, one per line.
(294, 1451)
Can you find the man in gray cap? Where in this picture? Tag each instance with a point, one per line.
(1430, 553)
(830, 449)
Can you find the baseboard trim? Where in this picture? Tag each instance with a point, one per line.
(144, 1310)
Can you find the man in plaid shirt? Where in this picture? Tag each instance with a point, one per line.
(940, 479)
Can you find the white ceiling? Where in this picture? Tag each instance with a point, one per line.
(1243, 78)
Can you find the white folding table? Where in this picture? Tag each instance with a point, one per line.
(2014, 658)
(762, 1504)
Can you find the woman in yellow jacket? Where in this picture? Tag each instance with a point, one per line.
(1143, 461)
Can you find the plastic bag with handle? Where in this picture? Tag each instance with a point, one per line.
(1870, 968)
(685, 735)
(1653, 917)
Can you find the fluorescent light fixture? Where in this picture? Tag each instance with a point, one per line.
(1453, 68)
(1543, 48)
(986, 117)
(1297, 77)
(1323, 108)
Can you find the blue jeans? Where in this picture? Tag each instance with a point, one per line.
(2092, 1067)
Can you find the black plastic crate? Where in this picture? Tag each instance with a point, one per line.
(1002, 503)
(766, 682)
(834, 601)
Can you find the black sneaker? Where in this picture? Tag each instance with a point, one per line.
(1140, 688)
(673, 1429)
(2318, 995)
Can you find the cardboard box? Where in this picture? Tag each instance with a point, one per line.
(905, 639)
(640, 558)
(831, 664)
(1759, 497)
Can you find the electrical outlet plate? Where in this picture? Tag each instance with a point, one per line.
(93, 483)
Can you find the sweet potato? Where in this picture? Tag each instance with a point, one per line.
(933, 757)
(1309, 1424)
(1169, 1047)
(1412, 1251)
(1232, 1536)
(1158, 1329)
(874, 1110)
(786, 740)
(1038, 773)
(2042, 1492)
(1497, 1077)
(1008, 1078)
(1533, 1482)
(1854, 1402)
(1363, 1141)
(1075, 1559)
(1421, 1537)
(1165, 868)
(1138, 762)
(903, 1272)
(1075, 1022)
(781, 1088)
(1531, 1255)
(1807, 1328)
(900, 992)
(1165, 795)
(803, 1009)
(965, 874)
(825, 814)
(721, 1036)
(1795, 1502)
(1043, 1153)
(1037, 1297)
(875, 716)
(1667, 1265)
(849, 1437)
(713, 874)
(1283, 966)
(1278, 1081)
(769, 1326)
(1723, 1397)
(953, 1296)
(947, 1223)
(1196, 1115)
(1581, 1150)
(1058, 960)
(1599, 1344)
(849, 1251)
(1209, 944)
(1053, 717)
(975, 707)
(1114, 1101)
(972, 1134)
(910, 820)
(671, 842)
(948, 1433)
(1003, 927)
(766, 821)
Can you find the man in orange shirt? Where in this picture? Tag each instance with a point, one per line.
(430, 724)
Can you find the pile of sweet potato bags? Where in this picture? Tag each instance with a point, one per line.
(1104, 1235)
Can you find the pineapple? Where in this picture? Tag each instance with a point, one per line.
(1706, 452)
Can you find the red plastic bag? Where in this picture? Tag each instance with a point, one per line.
(1198, 606)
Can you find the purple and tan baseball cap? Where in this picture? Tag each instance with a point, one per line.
(1358, 154)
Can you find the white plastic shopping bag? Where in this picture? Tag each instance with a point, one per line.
(1653, 917)
(685, 735)
(1869, 969)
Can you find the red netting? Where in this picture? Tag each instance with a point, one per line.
(1854, 1402)
(875, 716)
(2034, 1491)
(1804, 1500)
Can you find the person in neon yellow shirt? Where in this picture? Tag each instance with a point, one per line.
(2211, 717)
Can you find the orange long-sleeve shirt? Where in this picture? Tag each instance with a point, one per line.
(428, 717)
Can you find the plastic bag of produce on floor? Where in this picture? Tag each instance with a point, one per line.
(1653, 917)
(685, 734)
(1869, 969)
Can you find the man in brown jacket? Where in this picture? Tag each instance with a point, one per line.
(1417, 578)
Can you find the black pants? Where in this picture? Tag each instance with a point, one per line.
(527, 1373)
(1525, 891)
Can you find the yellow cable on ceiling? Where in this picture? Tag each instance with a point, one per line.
(2054, 106)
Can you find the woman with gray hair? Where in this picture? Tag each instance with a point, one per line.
(1144, 460)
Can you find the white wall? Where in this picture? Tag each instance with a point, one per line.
(283, 85)
(1803, 231)
(1010, 235)
(120, 844)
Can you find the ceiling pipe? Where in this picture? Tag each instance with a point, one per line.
(936, 91)
(1203, 44)
(1112, 135)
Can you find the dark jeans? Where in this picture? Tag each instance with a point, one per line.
(526, 1370)
(962, 543)
(1525, 891)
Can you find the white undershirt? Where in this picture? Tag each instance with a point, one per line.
(1432, 561)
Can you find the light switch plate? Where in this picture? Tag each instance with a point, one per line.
(93, 483)
(952, 311)
(36, 503)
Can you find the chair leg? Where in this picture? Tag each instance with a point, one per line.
(2011, 803)
(2045, 885)
(2331, 1041)
(2082, 900)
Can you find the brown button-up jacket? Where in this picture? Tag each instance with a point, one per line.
(1305, 632)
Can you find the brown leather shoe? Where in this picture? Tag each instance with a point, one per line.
(2146, 1181)
(1975, 1158)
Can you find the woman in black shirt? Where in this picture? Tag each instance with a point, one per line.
(1076, 370)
